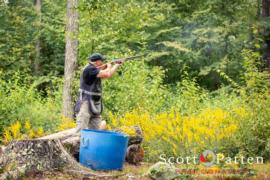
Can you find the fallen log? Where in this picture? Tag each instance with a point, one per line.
(69, 138)
(62, 135)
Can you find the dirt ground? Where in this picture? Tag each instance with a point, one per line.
(130, 172)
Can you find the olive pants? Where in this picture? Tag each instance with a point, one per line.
(85, 120)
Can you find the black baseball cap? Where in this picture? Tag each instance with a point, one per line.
(96, 56)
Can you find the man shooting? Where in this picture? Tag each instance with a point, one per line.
(89, 105)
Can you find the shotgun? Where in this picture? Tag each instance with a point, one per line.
(118, 60)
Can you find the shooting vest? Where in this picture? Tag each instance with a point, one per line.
(91, 93)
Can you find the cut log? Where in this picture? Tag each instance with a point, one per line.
(135, 152)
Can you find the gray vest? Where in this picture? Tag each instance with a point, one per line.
(91, 93)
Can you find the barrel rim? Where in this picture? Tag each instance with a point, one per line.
(105, 132)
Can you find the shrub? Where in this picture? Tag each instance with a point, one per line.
(174, 134)
(20, 101)
(254, 130)
(137, 86)
(21, 131)
(18, 130)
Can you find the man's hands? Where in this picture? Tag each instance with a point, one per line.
(109, 65)
(109, 69)
(119, 61)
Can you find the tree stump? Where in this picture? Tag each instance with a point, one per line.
(24, 157)
(28, 156)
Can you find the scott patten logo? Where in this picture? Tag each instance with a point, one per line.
(208, 158)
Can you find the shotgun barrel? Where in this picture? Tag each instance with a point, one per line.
(126, 59)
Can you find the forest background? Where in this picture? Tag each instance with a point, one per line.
(203, 85)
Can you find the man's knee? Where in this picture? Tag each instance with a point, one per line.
(96, 122)
(103, 125)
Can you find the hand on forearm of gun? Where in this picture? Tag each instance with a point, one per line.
(118, 61)
(115, 65)
(107, 70)
(110, 64)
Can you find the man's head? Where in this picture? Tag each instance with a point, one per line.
(97, 59)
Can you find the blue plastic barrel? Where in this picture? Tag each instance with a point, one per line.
(102, 150)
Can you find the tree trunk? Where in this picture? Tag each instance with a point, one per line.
(265, 4)
(71, 50)
(37, 4)
(265, 14)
